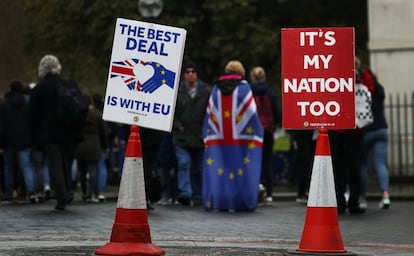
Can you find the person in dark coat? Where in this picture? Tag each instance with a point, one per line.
(16, 141)
(192, 100)
(89, 152)
(270, 118)
(57, 143)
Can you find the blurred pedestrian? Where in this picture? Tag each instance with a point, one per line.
(89, 152)
(376, 143)
(190, 109)
(16, 141)
(233, 136)
(270, 118)
(58, 142)
(122, 135)
(150, 143)
(346, 149)
(304, 143)
(102, 176)
(166, 168)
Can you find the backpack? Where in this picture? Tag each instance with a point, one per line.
(72, 107)
(265, 110)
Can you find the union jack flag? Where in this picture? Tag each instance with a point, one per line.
(125, 70)
(233, 137)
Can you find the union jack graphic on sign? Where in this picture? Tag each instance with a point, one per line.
(125, 70)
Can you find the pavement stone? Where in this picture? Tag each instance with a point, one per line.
(27, 229)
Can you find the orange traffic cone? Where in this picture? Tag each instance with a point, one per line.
(321, 233)
(130, 232)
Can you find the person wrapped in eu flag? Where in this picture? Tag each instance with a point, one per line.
(233, 136)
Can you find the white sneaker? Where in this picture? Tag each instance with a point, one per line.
(268, 200)
(101, 198)
(363, 204)
(93, 199)
(164, 201)
(385, 202)
(301, 200)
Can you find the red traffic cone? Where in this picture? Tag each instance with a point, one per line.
(321, 233)
(130, 232)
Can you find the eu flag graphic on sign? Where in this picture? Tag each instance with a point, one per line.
(233, 136)
(127, 71)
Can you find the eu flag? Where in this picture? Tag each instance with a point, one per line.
(233, 136)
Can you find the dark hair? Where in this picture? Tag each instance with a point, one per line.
(190, 64)
(16, 86)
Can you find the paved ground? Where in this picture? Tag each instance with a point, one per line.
(270, 230)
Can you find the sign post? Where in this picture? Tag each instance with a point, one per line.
(318, 93)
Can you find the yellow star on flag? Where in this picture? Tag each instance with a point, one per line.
(251, 145)
(220, 171)
(231, 176)
(210, 161)
(249, 130)
(246, 160)
(240, 172)
(227, 114)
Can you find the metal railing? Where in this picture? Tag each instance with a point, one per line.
(399, 111)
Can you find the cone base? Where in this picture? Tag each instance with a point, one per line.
(321, 232)
(296, 252)
(130, 249)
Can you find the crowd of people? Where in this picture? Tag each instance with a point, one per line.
(218, 155)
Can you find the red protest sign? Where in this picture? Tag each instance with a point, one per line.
(318, 78)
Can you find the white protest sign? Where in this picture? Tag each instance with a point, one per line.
(144, 74)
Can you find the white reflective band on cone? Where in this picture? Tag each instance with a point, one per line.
(322, 186)
(132, 188)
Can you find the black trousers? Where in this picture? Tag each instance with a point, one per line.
(346, 152)
(267, 173)
(59, 159)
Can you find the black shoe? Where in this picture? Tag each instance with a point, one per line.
(48, 194)
(356, 210)
(40, 199)
(184, 200)
(70, 198)
(150, 207)
(32, 198)
(60, 206)
(341, 210)
(196, 202)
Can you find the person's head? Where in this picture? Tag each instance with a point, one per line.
(16, 86)
(49, 64)
(257, 75)
(236, 67)
(190, 72)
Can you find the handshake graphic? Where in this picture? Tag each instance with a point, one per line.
(125, 70)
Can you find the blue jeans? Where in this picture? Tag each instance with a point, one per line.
(23, 159)
(376, 142)
(102, 174)
(189, 172)
(41, 170)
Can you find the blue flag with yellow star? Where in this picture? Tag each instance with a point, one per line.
(233, 137)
